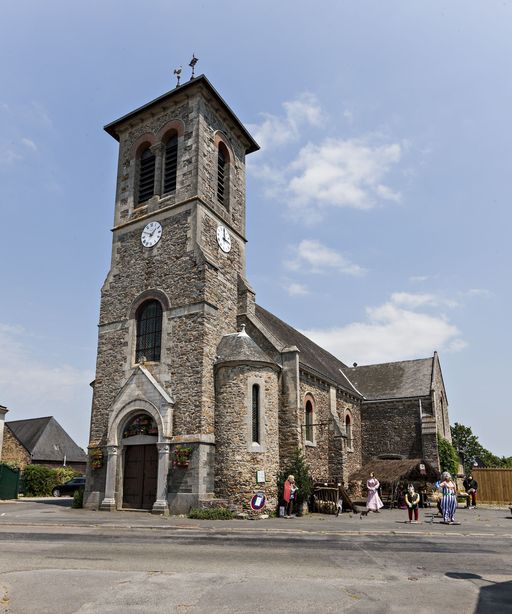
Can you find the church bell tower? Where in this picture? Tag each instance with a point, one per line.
(178, 254)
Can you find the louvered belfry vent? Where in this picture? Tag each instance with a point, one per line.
(171, 164)
(221, 176)
(146, 176)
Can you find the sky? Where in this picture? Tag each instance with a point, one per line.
(378, 208)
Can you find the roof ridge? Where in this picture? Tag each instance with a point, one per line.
(303, 335)
(392, 362)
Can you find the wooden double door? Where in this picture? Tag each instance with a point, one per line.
(140, 476)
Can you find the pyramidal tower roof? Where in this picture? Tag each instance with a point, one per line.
(239, 347)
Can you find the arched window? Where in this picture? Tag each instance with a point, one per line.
(256, 413)
(171, 164)
(348, 431)
(149, 331)
(222, 174)
(309, 421)
(141, 424)
(146, 175)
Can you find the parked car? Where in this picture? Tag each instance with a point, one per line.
(69, 487)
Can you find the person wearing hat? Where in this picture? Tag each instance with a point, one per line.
(449, 500)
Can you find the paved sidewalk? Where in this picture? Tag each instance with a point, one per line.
(51, 512)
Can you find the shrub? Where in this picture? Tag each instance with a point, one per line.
(301, 472)
(448, 457)
(38, 481)
(211, 513)
(78, 499)
(63, 474)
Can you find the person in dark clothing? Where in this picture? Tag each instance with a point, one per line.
(470, 486)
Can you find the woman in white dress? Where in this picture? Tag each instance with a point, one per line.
(373, 502)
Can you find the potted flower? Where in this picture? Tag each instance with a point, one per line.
(96, 458)
(182, 455)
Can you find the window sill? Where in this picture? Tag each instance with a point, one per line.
(310, 444)
(257, 448)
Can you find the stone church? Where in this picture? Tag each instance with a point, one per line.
(200, 393)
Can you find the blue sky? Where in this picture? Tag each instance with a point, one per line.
(378, 208)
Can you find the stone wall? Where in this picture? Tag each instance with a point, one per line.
(353, 457)
(188, 485)
(237, 459)
(328, 455)
(391, 427)
(13, 451)
(441, 402)
(316, 452)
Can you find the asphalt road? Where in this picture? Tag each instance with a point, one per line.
(143, 564)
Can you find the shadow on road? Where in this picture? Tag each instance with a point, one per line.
(57, 501)
(493, 598)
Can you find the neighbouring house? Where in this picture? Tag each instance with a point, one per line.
(40, 441)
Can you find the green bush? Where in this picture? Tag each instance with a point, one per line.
(38, 480)
(448, 457)
(211, 513)
(78, 499)
(63, 474)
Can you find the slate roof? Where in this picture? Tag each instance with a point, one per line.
(46, 440)
(311, 355)
(198, 81)
(240, 347)
(393, 380)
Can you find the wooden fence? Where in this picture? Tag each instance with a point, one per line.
(494, 485)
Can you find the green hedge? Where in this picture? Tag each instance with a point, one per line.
(39, 480)
(213, 513)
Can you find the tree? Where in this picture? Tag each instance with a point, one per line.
(470, 449)
(300, 470)
(448, 457)
(466, 444)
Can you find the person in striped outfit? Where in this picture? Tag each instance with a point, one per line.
(449, 500)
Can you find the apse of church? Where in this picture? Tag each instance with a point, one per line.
(202, 396)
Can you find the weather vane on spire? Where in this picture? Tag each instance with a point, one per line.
(192, 65)
(177, 72)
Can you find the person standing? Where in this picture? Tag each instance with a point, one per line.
(449, 500)
(290, 494)
(470, 486)
(412, 500)
(373, 501)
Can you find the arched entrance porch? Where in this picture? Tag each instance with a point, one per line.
(137, 460)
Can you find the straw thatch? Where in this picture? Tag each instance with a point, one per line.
(392, 471)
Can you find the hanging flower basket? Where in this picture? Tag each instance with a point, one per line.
(182, 456)
(96, 458)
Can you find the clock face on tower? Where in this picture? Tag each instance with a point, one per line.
(151, 234)
(223, 239)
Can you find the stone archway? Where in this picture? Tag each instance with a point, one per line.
(138, 461)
